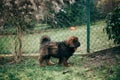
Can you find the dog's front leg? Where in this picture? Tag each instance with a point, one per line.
(66, 63)
(60, 61)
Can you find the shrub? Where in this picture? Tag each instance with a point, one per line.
(113, 25)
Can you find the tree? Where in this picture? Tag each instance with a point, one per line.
(113, 25)
(17, 14)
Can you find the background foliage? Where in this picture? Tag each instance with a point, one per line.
(73, 15)
(113, 25)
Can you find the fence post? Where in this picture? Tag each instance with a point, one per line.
(88, 25)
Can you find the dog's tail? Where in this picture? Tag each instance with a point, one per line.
(44, 39)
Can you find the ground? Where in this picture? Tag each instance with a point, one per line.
(102, 65)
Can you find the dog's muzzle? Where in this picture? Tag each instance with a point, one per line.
(77, 44)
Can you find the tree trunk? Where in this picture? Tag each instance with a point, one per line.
(18, 45)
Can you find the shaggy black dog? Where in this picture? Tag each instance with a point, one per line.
(61, 50)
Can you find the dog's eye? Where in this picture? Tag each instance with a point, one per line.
(75, 40)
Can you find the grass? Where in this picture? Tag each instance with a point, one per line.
(98, 38)
(96, 66)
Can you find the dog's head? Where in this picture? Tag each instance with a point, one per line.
(73, 42)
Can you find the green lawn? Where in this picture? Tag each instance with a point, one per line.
(93, 67)
(98, 39)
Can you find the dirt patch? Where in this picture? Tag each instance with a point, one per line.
(97, 59)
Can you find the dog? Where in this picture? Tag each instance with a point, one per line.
(62, 50)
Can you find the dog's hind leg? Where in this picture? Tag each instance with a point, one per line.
(41, 60)
(48, 61)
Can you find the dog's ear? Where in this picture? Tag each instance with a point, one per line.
(69, 41)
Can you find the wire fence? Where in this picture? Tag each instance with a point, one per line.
(31, 42)
(31, 39)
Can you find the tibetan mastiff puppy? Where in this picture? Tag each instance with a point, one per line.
(61, 50)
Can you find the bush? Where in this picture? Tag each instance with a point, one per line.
(113, 25)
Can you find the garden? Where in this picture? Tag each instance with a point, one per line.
(24, 22)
